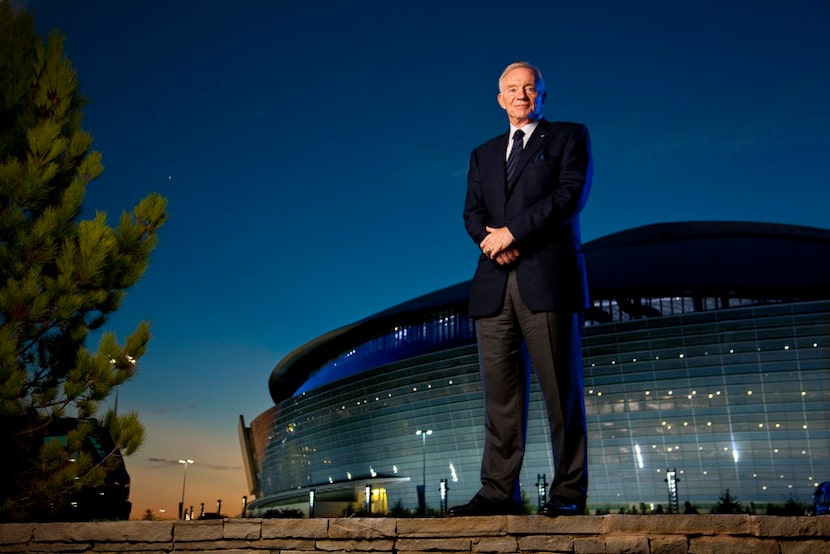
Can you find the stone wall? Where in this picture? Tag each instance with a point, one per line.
(653, 534)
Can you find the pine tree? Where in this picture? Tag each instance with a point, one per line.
(60, 279)
(727, 504)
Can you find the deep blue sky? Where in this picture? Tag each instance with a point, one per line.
(314, 156)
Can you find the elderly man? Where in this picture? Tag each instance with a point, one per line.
(525, 190)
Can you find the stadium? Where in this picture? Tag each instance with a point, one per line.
(706, 356)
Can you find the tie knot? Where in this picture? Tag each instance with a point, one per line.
(518, 135)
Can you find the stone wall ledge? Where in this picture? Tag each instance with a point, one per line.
(616, 533)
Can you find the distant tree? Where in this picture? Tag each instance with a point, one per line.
(727, 504)
(631, 509)
(529, 506)
(791, 507)
(60, 279)
(148, 515)
(399, 510)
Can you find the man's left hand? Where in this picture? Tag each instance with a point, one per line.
(508, 256)
(498, 241)
(498, 245)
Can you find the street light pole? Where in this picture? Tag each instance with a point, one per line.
(423, 435)
(186, 462)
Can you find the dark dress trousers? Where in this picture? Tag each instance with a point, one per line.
(538, 300)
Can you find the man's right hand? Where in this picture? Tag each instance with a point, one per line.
(507, 256)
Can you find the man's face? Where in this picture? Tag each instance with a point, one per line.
(519, 96)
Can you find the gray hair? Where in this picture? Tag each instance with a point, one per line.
(540, 81)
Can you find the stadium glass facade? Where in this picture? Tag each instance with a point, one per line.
(723, 390)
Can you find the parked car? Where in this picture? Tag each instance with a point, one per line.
(108, 500)
(821, 500)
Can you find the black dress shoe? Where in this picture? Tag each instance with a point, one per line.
(557, 507)
(480, 506)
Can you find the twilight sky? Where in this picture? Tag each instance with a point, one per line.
(314, 157)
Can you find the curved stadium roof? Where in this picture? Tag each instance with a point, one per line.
(720, 258)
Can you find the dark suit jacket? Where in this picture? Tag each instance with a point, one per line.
(541, 208)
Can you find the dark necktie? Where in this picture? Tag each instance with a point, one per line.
(515, 152)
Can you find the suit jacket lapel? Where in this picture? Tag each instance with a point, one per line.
(497, 164)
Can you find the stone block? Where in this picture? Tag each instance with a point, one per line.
(732, 545)
(453, 526)
(458, 544)
(626, 544)
(805, 547)
(669, 544)
(500, 545)
(137, 547)
(242, 529)
(778, 526)
(284, 545)
(59, 547)
(207, 530)
(115, 531)
(374, 546)
(361, 528)
(53, 532)
(295, 528)
(704, 524)
(585, 545)
(568, 525)
(16, 533)
(199, 550)
(546, 543)
(215, 545)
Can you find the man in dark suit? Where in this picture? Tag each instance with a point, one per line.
(525, 190)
